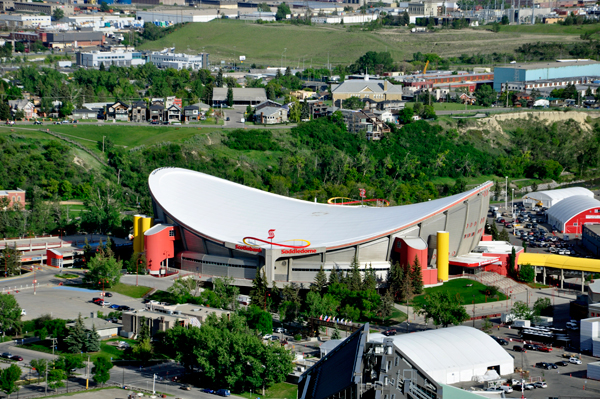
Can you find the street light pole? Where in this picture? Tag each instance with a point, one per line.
(506, 195)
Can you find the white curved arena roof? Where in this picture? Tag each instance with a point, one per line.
(227, 212)
(552, 197)
(452, 354)
(562, 212)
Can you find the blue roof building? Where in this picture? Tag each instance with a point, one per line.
(544, 70)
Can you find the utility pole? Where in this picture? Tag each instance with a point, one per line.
(87, 374)
(46, 378)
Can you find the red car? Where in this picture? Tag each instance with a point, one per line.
(17, 358)
(544, 349)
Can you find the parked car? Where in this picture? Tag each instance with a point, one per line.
(543, 365)
(518, 348)
(17, 358)
(274, 338)
(223, 392)
(540, 384)
(562, 363)
(37, 123)
(502, 341)
(529, 346)
(108, 294)
(574, 360)
(544, 348)
(115, 306)
(124, 308)
(280, 330)
(7, 355)
(10, 122)
(103, 303)
(185, 387)
(389, 332)
(207, 390)
(96, 300)
(267, 336)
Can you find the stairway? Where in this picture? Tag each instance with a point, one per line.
(507, 285)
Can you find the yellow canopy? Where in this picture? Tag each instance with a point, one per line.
(560, 262)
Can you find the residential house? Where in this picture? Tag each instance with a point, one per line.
(265, 104)
(104, 328)
(85, 113)
(173, 113)
(139, 111)
(365, 121)
(317, 109)
(191, 113)
(156, 111)
(302, 95)
(467, 99)
(118, 111)
(23, 105)
(377, 90)
(271, 115)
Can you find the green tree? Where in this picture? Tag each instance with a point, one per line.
(258, 319)
(101, 370)
(227, 292)
(369, 280)
(19, 47)
(258, 293)
(320, 281)
(336, 333)
(317, 305)
(503, 236)
(39, 365)
(104, 7)
(541, 306)
(522, 311)
(143, 350)
(56, 376)
(487, 326)
(416, 277)
(10, 314)
(182, 289)
(102, 210)
(485, 95)
(504, 20)
(41, 334)
(4, 111)
(496, 27)
(526, 273)
(395, 279)
(58, 14)
(283, 10)
(11, 260)
(66, 109)
(219, 79)
(305, 114)
(512, 261)
(418, 108)
(386, 306)
(428, 112)
(295, 113)
(355, 280)
(443, 309)
(92, 340)
(68, 362)
(230, 96)
(104, 270)
(289, 308)
(8, 378)
(77, 338)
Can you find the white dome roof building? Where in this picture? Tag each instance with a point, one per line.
(549, 198)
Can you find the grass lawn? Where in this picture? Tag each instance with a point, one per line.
(282, 390)
(130, 290)
(111, 351)
(67, 276)
(537, 285)
(459, 286)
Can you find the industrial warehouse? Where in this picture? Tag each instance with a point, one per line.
(214, 227)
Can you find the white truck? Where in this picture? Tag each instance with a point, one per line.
(521, 323)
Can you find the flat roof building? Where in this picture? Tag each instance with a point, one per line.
(94, 59)
(544, 70)
(166, 59)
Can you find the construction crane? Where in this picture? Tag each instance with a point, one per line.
(425, 69)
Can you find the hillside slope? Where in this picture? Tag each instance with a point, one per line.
(275, 44)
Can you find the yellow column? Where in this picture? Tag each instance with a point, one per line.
(443, 248)
(146, 224)
(136, 233)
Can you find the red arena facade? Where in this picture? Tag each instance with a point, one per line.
(216, 228)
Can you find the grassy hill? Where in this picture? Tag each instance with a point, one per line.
(266, 44)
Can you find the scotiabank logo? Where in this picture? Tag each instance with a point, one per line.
(298, 251)
(248, 248)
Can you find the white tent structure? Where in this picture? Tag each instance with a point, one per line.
(570, 214)
(454, 354)
(550, 198)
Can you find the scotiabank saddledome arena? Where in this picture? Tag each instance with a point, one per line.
(217, 228)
